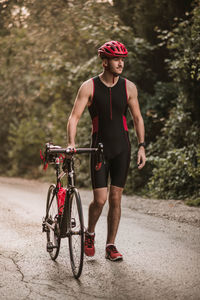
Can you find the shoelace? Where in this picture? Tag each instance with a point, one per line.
(89, 240)
(112, 248)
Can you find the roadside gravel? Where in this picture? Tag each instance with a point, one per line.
(175, 210)
(169, 209)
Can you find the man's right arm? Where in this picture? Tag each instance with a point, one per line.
(82, 100)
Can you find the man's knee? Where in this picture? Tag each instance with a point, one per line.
(99, 203)
(100, 197)
(115, 196)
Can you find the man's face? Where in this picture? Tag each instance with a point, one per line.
(115, 65)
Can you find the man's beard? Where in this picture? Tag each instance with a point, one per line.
(115, 74)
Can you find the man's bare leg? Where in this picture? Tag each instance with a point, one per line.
(114, 212)
(96, 206)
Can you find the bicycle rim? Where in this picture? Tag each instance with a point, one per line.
(76, 234)
(53, 239)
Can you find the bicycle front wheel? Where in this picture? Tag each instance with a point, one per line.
(52, 223)
(76, 233)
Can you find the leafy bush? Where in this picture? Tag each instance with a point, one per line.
(175, 156)
(177, 175)
(26, 139)
(40, 75)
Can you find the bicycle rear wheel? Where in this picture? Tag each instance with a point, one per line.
(76, 233)
(52, 223)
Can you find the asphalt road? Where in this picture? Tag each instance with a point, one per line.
(161, 257)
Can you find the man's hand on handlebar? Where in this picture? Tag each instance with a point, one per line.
(70, 147)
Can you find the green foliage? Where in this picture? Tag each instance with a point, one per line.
(49, 48)
(44, 54)
(193, 202)
(26, 139)
(176, 175)
(176, 171)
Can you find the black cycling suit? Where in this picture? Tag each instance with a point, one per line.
(108, 113)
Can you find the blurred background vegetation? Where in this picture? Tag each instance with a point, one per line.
(48, 48)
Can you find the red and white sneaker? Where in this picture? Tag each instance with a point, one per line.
(89, 244)
(112, 253)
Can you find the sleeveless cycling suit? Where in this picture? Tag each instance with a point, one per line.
(108, 113)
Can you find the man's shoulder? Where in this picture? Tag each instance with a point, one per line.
(87, 82)
(131, 90)
(87, 86)
(130, 84)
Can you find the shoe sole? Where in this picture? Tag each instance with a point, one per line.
(90, 255)
(114, 259)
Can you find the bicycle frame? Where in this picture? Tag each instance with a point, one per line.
(69, 170)
(69, 221)
(64, 224)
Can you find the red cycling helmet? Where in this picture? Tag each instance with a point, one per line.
(112, 49)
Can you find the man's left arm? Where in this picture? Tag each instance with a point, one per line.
(133, 104)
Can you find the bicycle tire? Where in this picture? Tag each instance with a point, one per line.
(53, 239)
(76, 233)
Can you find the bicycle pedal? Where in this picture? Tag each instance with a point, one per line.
(50, 221)
(44, 227)
(73, 222)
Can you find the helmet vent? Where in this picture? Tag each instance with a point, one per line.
(113, 49)
(107, 50)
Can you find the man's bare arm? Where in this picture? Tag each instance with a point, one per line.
(138, 121)
(82, 100)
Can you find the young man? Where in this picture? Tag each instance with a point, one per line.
(108, 96)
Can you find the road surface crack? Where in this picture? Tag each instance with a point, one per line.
(18, 269)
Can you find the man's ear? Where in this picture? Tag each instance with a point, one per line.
(105, 62)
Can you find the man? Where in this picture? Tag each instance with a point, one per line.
(108, 96)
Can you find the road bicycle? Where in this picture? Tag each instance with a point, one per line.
(66, 219)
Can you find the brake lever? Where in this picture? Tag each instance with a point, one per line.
(49, 157)
(44, 157)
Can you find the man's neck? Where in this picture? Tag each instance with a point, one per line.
(108, 78)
